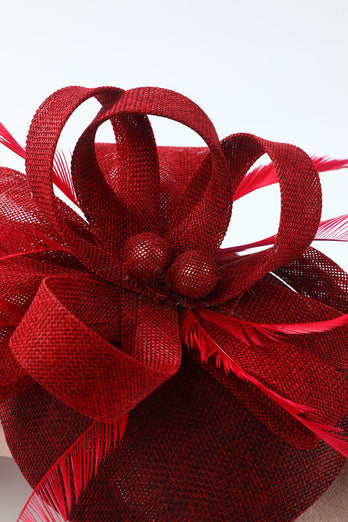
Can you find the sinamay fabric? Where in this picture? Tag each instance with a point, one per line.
(147, 374)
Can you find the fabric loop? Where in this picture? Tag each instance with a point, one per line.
(42, 139)
(211, 197)
(135, 208)
(300, 210)
(74, 362)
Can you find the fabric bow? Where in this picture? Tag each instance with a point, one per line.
(99, 309)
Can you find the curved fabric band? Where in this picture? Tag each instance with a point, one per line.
(202, 217)
(300, 209)
(210, 205)
(127, 112)
(71, 360)
(42, 139)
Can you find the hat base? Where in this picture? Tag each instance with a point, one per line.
(191, 451)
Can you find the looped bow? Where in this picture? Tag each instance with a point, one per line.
(120, 292)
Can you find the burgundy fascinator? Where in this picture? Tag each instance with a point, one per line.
(146, 374)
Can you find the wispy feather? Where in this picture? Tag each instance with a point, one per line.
(247, 331)
(196, 337)
(61, 176)
(63, 484)
(265, 175)
(16, 241)
(8, 140)
(333, 229)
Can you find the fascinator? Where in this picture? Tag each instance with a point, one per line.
(146, 373)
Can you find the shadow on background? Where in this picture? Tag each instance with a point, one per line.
(14, 491)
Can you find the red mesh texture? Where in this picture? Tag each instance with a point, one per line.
(146, 256)
(91, 312)
(191, 452)
(193, 274)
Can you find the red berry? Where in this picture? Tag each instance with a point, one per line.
(146, 256)
(193, 274)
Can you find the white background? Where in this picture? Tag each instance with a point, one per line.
(274, 68)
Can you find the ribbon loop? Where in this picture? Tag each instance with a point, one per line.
(201, 219)
(300, 210)
(75, 353)
(42, 139)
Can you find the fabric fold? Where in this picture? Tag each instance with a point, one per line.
(300, 210)
(71, 360)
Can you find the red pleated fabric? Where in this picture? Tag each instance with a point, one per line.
(130, 314)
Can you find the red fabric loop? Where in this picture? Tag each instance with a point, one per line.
(211, 197)
(42, 139)
(300, 210)
(65, 349)
(124, 214)
(142, 186)
(208, 212)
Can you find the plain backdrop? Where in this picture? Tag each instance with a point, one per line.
(274, 68)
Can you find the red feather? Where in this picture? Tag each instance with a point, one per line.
(259, 177)
(61, 173)
(266, 175)
(62, 177)
(8, 140)
(25, 240)
(64, 483)
(195, 336)
(333, 229)
(226, 252)
(234, 325)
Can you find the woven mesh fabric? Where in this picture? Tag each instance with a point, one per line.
(191, 452)
(92, 342)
